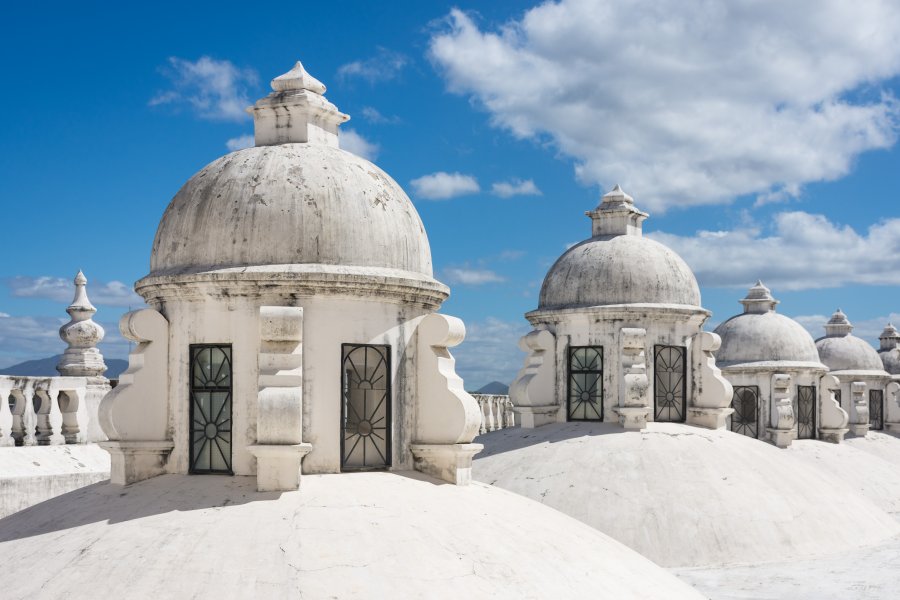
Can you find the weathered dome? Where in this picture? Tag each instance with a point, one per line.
(294, 199)
(842, 351)
(618, 265)
(288, 204)
(760, 334)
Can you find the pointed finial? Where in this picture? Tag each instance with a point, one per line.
(82, 334)
(616, 215)
(759, 299)
(298, 79)
(838, 325)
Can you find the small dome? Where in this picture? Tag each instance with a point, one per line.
(290, 204)
(618, 265)
(295, 198)
(760, 334)
(842, 351)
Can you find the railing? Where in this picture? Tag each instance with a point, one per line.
(44, 411)
(496, 412)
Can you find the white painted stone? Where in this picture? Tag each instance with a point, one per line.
(595, 294)
(782, 418)
(832, 418)
(362, 535)
(759, 344)
(635, 404)
(682, 495)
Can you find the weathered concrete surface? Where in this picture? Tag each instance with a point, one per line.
(682, 495)
(32, 474)
(365, 535)
(868, 573)
(870, 465)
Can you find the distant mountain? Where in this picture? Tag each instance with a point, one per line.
(494, 387)
(46, 367)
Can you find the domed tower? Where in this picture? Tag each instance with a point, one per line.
(890, 350)
(860, 371)
(292, 301)
(618, 333)
(773, 364)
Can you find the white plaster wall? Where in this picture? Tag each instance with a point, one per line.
(873, 381)
(762, 378)
(589, 329)
(328, 322)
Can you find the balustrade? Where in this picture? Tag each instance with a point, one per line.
(496, 412)
(43, 411)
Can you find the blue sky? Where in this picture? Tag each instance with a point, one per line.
(762, 141)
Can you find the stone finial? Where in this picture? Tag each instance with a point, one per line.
(298, 79)
(838, 325)
(616, 215)
(759, 299)
(82, 334)
(889, 338)
(296, 112)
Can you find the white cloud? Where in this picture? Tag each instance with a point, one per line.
(442, 186)
(466, 276)
(688, 102)
(372, 115)
(240, 142)
(801, 251)
(113, 293)
(490, 352)
(4, 315)
(356, 144)
(213, 89)
(384, 66)
(516, 187)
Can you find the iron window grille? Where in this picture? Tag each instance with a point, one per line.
(366, 407)
(210, 411)
(585, 384)
(745, 418)
(876, 410)
(669, 384)
(805, 412)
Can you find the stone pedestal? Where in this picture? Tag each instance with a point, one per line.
(859, 429)
(131, 462)
(781, 438)
(278, 466)
(634, 417)
(833, 436)
(535, 416)
(449, 462)
(711, 418)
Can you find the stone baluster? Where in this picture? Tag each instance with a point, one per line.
(781, 413)
(29, 418)
(859, 409)
(74, 415)
(510, 413)
(482, 407)
(6, 417)
(55, 419)
(833, 419)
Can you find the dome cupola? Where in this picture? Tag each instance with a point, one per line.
(618, 265)
(840, 350)
(294, 206)
(761, 335)
(890, 349)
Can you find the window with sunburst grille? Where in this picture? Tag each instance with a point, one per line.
(585, 395)
(805, 412)
(745, 418)
(876, 409)
(366, 428)
(210, 392)
(669, 386)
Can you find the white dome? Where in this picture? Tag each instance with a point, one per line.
(360, 535)
(683, 496)
(618, 265)
(289, 204)
(762, 335)
(890, 349)
(842, 351)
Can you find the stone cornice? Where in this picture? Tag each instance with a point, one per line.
(620, 311)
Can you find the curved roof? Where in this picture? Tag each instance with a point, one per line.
(890, 349)
(618, 265)
(842, 351)
(360, 535)
(295, 198)
(760, 334)
(681, 495)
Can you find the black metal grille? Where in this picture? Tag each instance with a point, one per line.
(366, 418)
(876, 409)
(585, 393)
(805, 412)
(745, 418)
(669, 389)
(210, 408)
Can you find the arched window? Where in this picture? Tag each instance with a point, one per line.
(366, 413)
(210, 408)
(585, 383)
(669, 385)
